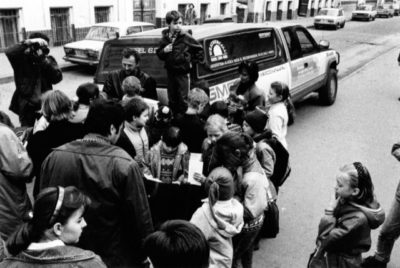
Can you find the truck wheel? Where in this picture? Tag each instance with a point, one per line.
(327, 93)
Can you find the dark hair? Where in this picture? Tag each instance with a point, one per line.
(173, 16)
(135, 107)
(39, 35)
(221, 108)
(127, 52)
(251, 68)
(360, 178)
(281, 89)
(87, 92)
(231, 150)
(102, 114)
(178, 244)
(172, 136)
(45, 215)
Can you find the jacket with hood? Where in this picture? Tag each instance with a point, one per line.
(230, 212)
(16, 169)
(348, 230)
(185, 50)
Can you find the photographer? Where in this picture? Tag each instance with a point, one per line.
(35, 71)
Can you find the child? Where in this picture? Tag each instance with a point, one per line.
(131, 88)
(190, 123)
(168, 160)
(179, 50)
(134, 137)
(345, 230)
(45, 241)
(159, 122)
(220, 217)
(178, 244)
(281, 110)
(86, 93)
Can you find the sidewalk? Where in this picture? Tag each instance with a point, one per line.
(7, 75)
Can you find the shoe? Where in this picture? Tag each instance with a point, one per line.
(371, 262)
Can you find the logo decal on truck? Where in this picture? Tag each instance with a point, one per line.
(217, 51)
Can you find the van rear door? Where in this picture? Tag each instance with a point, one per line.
(111, 58)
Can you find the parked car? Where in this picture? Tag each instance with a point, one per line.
(364, 12)
(386, 11)
(330, 17)
(284, 52)
(219, 19)
(88, 51)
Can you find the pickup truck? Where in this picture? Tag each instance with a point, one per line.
(284, 52)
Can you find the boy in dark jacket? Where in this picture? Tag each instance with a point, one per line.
(179, 50)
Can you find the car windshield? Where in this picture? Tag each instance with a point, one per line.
(101, 33)
(328, 12)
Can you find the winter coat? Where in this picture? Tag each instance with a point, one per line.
(113, 84)
(16, 169)
(54, 257)
(185, 51)
(181, 162)
(230, 212)
(252, 190)
(252, 97)
(41, 143)
(118, 218)
(396, 154)
(348, 230)
(278, 121)
(31, 78)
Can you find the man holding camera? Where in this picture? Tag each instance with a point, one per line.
(35, 71)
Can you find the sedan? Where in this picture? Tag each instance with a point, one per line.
(330, 17)
(385, 11)
(87, 51)
(364, 12)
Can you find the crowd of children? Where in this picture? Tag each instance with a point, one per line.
(244, 155)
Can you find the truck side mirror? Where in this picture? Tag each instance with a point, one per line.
(324, 44)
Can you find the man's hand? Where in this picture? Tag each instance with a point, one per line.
(168, 48)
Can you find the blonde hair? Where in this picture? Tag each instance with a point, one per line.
(56, 106)
(216, 121)
(197, 97)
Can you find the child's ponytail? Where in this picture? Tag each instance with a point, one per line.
(22, 238)
(365, 185)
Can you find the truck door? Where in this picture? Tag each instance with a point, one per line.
(306, 64)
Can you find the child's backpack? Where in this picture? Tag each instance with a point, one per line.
(282, 167)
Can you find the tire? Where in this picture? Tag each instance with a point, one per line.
(337, 26)
(327, 93)
(342, 26)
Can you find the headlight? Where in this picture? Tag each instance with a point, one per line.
(92, 53)
(68, 50)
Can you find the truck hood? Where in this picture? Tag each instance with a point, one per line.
(86, 44)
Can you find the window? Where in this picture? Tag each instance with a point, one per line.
(60, 26)
(307, 46)
(101, 14)
(293, 46)
(8, 27)
(133, 29)
(101, 33)
(230, 50)
(148, 27)
(223, 8)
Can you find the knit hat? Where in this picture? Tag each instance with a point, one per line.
(257, 120)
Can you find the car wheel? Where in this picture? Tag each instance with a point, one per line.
(327, 93)
(337, 26)
(342, 26)
(370, 18)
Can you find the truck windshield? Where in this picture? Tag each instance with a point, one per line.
(101, 33)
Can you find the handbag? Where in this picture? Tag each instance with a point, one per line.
(270, 227)
(317, 259)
